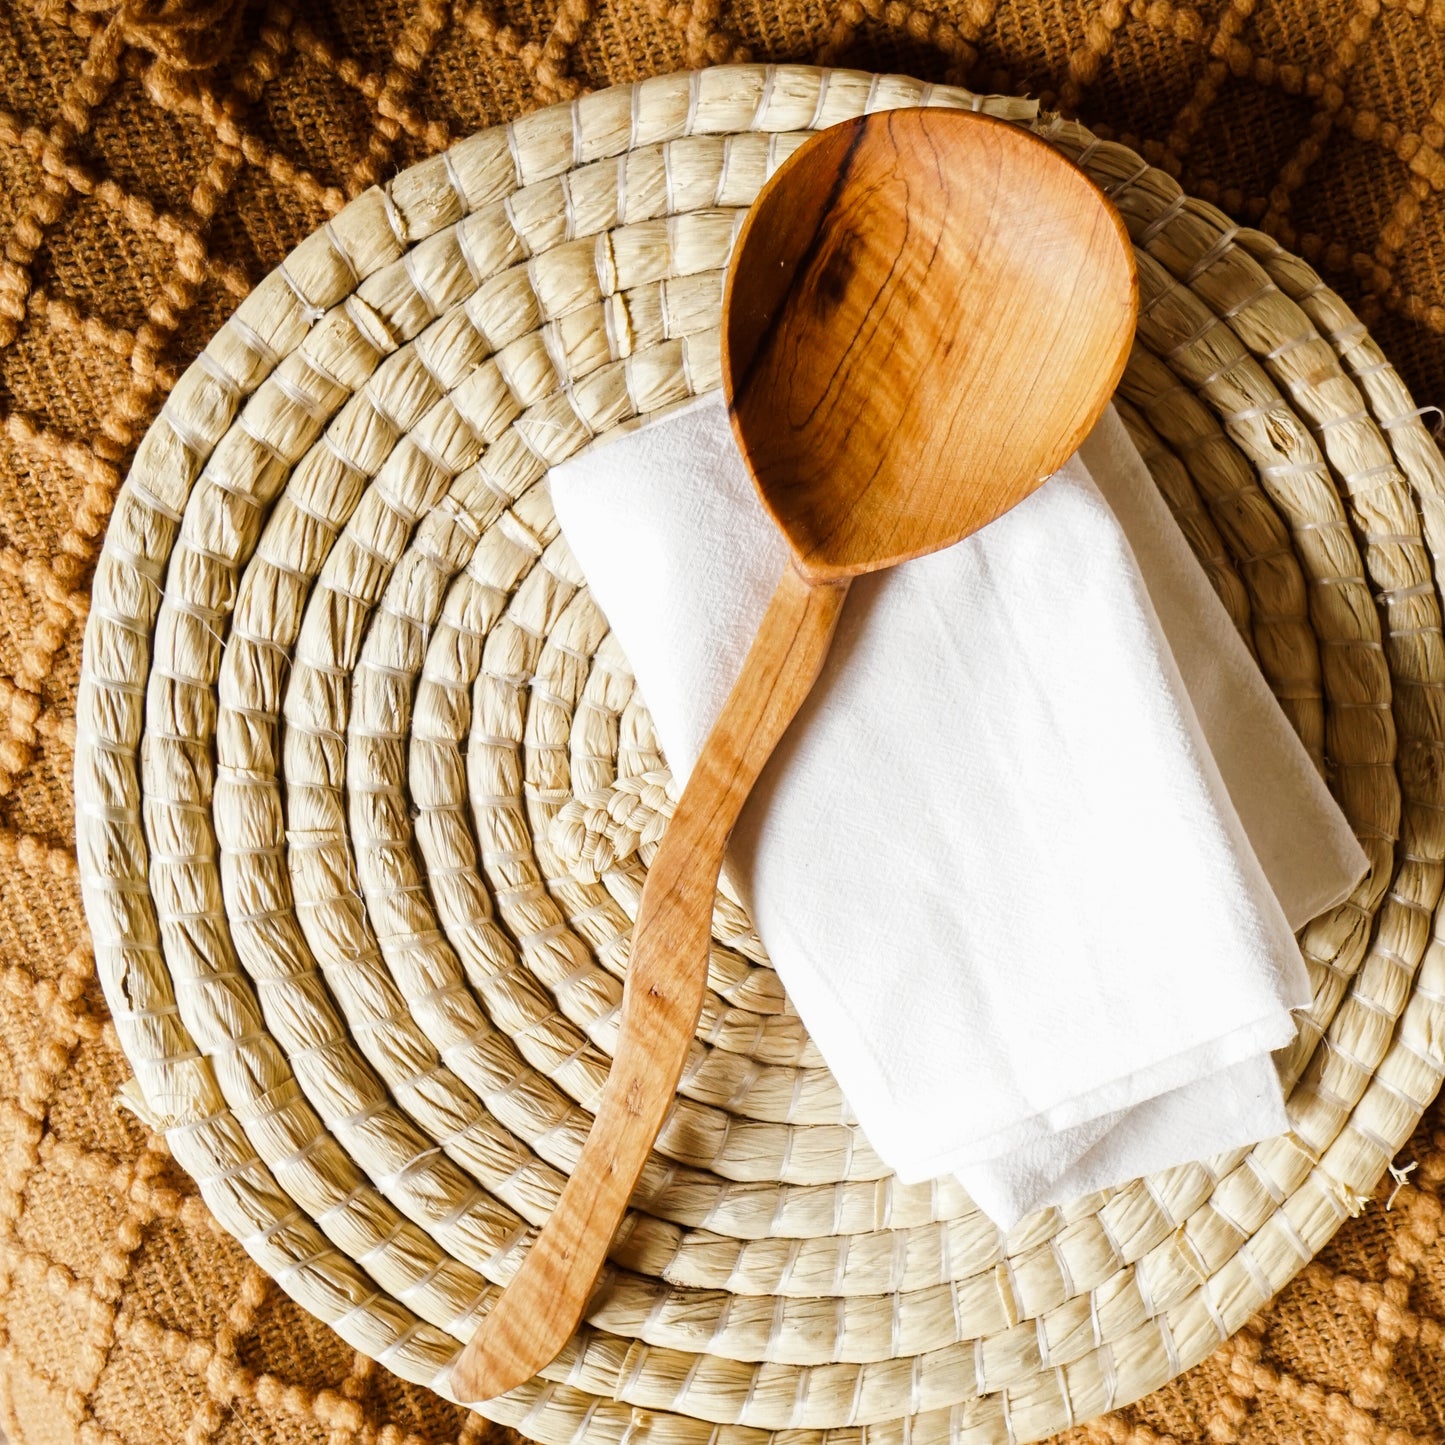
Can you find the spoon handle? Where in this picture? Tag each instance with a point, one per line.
(666, 978)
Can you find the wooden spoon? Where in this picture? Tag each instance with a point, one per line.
(926, 312)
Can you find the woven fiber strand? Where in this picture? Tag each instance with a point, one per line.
(340, 671)
(127, 1315)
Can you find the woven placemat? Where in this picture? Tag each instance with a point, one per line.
(353, 744)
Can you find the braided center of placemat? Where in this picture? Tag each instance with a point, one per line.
(366, 794)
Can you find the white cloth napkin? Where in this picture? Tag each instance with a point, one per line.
(1028, 869)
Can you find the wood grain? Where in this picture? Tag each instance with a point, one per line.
(938, 312)
(925, 313)
(666, 979)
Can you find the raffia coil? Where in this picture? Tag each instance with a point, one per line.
(365, 795)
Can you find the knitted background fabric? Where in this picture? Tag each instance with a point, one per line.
(155, 162)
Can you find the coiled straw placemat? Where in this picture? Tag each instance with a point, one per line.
(354, 744)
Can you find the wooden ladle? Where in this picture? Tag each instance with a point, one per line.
(926, 312)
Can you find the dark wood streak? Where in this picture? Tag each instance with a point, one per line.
(766, 334)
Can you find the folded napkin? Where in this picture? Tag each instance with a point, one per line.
(1029, 859)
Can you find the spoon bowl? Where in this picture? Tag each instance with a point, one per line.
(926, 311)
(925, 314)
